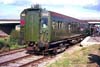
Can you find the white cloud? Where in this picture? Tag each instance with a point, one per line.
(66, 2)
(77, 12)
(55, 2)
(70, 7)
(7, 1)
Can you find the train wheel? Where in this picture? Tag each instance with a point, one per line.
(66, 45)
(55, 51)
(63, 47)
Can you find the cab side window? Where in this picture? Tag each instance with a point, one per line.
(44, 22)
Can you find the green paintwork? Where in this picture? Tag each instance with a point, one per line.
(31, 30)
(62, 33)
(45, 32)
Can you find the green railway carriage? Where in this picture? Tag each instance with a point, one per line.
(43, 30)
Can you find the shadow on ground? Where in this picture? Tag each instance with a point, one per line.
(94, 59)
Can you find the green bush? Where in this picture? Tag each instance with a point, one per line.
(14, 37)
(11, 42)
(1, 45)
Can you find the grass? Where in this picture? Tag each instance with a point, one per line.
(16, 46)
(13, 45)
(77, 59)
(3, 38)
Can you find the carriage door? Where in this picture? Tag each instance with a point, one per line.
(44, 28)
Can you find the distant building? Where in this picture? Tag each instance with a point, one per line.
(7, 25)
(17, 27)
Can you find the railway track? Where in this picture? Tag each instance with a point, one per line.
(46, 59)
(35, 63)
(17, 58)
(21, 59)
(12, 51)
(13, 56)
(27, 61)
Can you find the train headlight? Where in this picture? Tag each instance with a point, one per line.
(23, 14)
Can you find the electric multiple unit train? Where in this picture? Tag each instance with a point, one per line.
(44, 30)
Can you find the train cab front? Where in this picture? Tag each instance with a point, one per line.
(35, 30)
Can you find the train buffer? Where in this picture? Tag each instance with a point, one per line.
(90, 41)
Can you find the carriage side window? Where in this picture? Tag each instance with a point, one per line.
(59, 25)
(69, 27)
(56, 25)
(62, 25)
(53, 24)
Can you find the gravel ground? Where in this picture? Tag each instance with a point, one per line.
(93, 57)
(55, 58)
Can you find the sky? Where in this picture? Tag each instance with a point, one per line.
(81, 9)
